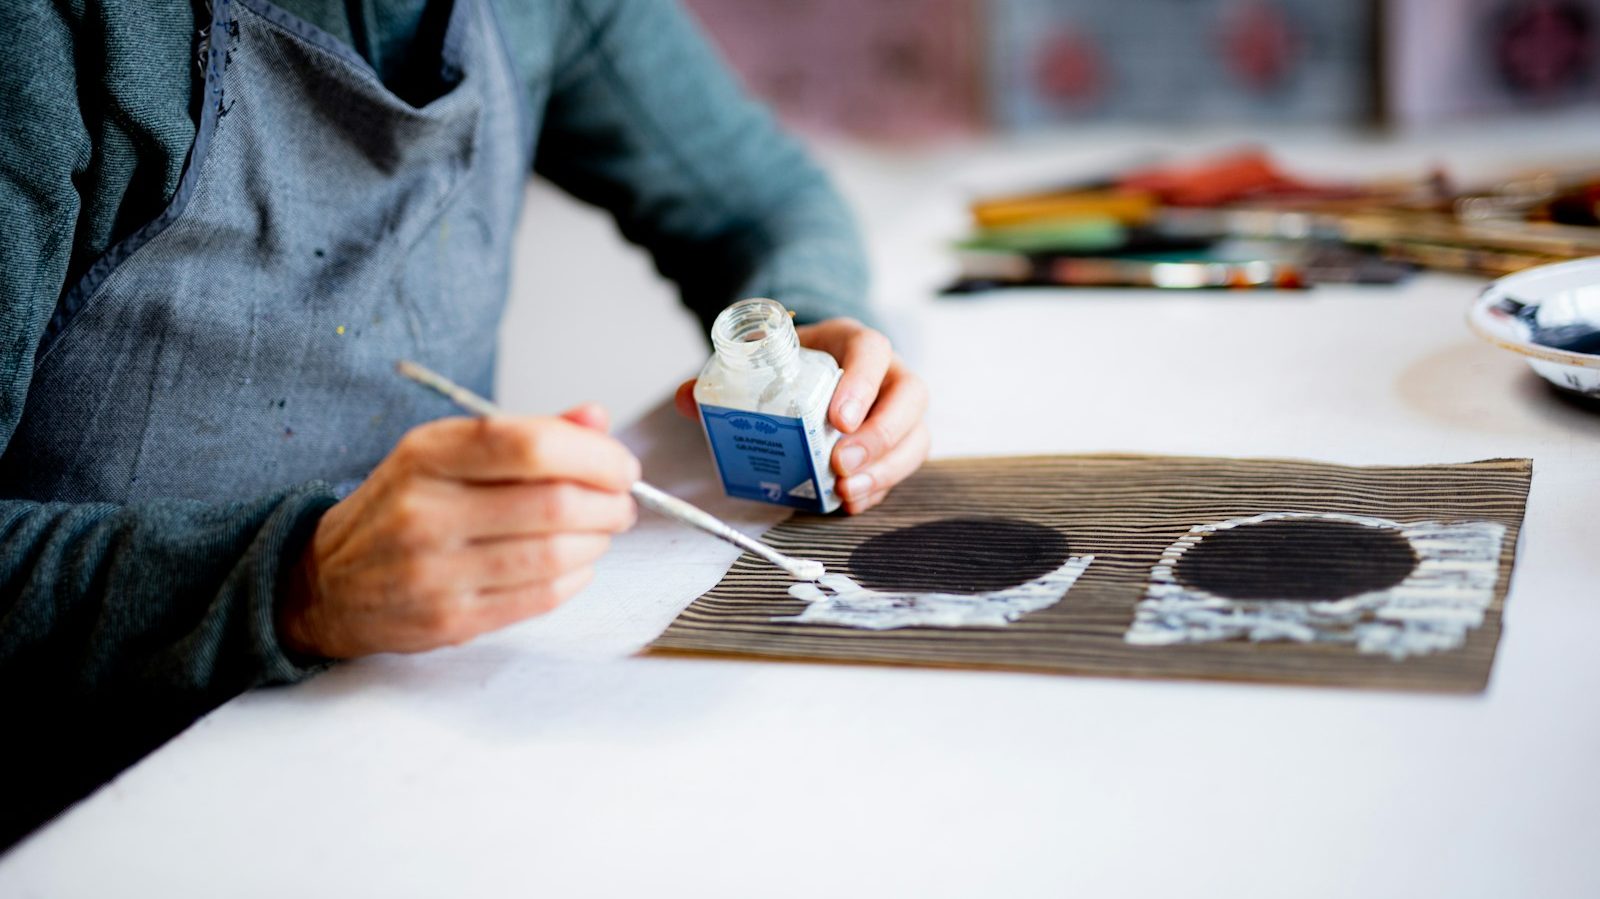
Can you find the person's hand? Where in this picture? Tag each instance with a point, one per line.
(469, 525)
(879, 406)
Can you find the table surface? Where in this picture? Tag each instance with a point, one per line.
(551, 758)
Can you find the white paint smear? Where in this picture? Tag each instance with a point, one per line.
(1443, 598)
(836, 599)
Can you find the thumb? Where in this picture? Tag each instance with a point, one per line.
(685, 400)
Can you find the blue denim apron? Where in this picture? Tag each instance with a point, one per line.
(323, 228)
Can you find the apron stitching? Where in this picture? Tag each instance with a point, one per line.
(175, 360)
(311, 34)
(149, 403)
(82, 294)
(323, 42)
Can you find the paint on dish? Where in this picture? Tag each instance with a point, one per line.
(1383, 587)
(1570, 331)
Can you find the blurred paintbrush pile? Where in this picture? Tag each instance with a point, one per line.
(1241, 221)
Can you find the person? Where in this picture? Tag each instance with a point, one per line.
(222, 224)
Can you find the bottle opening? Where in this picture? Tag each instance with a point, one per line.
(755, 333)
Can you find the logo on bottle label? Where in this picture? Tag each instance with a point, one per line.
(769, 458)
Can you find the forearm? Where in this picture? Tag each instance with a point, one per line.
(121, 625)
(645, 121)
(169, 603)
(803, 249)
(805, 252)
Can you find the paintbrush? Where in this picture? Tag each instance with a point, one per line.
(646, 495)
(1018, 269)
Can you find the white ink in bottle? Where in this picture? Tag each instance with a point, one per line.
(764, 403)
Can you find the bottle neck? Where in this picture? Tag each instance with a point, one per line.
(756, 334)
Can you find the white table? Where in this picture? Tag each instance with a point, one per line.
(552, 760)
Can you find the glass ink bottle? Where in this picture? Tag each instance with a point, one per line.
(763, 401)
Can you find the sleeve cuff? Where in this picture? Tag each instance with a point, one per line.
(277, 548)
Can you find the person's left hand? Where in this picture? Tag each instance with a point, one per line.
(879, 407)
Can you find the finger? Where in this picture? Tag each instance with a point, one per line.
(864, 355)
(899, 410)
(857, 506)
(589, 415)
(519, 449)
(895, 466)
(524, 510)
(684, 400)
(865, 361)
(525, 560)
(497, 607)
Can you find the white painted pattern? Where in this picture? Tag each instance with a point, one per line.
(1443, 598)
(837, 599)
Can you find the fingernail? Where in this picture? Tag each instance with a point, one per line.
(851, 457)
(858, 485)
(850, 412)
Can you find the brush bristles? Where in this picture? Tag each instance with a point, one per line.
(805, 569)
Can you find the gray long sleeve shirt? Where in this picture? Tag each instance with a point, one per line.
(119, 624)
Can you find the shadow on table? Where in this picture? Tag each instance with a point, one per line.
(1476, 386)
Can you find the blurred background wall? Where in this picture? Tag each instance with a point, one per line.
(916, 106)
(918, 69)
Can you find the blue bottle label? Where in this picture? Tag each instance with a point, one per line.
(770, 458)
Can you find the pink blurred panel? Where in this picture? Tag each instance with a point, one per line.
(1057, 61)
(1450, 59)
(883, 68)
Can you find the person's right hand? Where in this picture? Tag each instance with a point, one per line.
(469, 525)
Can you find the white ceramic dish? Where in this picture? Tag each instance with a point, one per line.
(1538, 312)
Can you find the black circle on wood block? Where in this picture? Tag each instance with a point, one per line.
(958, 555)
(1309, 559)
